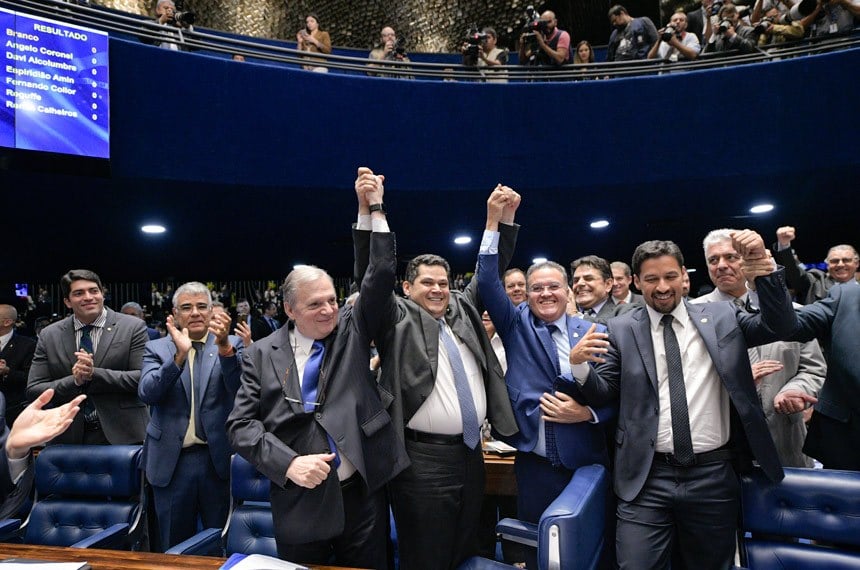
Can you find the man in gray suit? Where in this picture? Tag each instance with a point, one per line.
(622, 278)
(689, 414)
(788, 375)
(440, 378)
(592, 283)
(98, 352)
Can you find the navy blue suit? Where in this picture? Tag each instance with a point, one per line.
(192, 481)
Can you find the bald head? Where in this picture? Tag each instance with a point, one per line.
(8, 317)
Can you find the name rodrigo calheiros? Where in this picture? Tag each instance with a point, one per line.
(28, 106)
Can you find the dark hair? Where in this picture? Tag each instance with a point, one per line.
(78, 275)
(600, 264)
(315, 17)
(617, 10)
(653, 249)
(425, 259)
(577, 59)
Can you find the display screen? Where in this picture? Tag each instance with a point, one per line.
(55, 87)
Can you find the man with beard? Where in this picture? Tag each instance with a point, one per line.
(550, 48)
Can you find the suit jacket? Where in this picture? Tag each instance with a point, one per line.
(269, 427)
(630, 373)
(12, 495)
(532, 371)
(835, 321)
(408, 345)
(804, 369)
(809, 286)
(259, 328)
(635, 299)
(18, 354)
(167, 390)
(113, 388)
(696, 24)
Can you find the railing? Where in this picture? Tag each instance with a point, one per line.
(266, 51)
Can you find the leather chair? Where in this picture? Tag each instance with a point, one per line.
(811, 519)
(570, 532)
(86, 496)
(249, 529)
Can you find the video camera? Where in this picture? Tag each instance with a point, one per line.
(668, 32)
(185, 19)
(533, 22)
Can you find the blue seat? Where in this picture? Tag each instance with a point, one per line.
(87, 496)
(569, 535)
(249, 529)
(811, 519)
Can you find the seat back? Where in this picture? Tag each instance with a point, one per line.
(249, 529)
(82, 490)
(811, 519)
(570, 532)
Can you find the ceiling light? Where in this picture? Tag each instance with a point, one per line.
(691, 270)
(761, 208)
(539, 260)
(462, 240)
(599, 224)
(153, 229)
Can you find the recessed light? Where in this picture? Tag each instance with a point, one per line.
(462, 240)
(539, 260)
(761, 208)
(691, 270)
(599, 224)
(153, 229)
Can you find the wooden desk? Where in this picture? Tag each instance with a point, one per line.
(115, 559)
(500, 475)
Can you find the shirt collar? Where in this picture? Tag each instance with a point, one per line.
(98, 323)
(679, 312)
(301, 341)
(6, 338)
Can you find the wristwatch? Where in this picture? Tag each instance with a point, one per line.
(377, 208)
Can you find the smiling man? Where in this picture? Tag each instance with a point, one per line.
(813, 285)
(689, 412)
(189, 380)
(309, 417)
(592, 285)
(94, 351)
(442, 379)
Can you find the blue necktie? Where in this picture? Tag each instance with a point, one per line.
(549, 427)
(681, 437)
(310, 385)
(471, 428)
(89, 409)
(195, 381)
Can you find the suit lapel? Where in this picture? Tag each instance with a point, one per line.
(430, 328)
(207, 364)
(70, 345)
(282, 362)
(703, 320)
(466, 333)
(185, 376)
(642, 335)
(108, 333)
(576, 329)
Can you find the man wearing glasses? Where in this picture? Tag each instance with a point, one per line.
(813, 285)
(558, 432)
(190, 379)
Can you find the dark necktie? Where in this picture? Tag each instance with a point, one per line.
(195, 382)
(272, 324)
(549, 427)
(589, 313)
(310, 385)
(682, 440)
(91, 416)
(471, 428)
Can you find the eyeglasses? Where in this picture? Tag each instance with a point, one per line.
(551, 287)
(189, 308)
(842, 260)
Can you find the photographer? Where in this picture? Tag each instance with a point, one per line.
(772, 29)
(675, 42)
(730, 33)
(544, 44)
(166, 15)
(485, 55)
(833, 16)
(390, 47)
(631, 37)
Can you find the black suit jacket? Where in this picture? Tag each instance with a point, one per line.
(18, 354)
(113, 388)
(12, 496)
(630, 374)
(269, 427)
(408, 345)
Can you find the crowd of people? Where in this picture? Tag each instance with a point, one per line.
(349, 410)
(711, 26)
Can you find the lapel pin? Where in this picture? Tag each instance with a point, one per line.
(576, 335)
(704, 319)
(108, 329)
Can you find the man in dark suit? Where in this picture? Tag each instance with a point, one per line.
(16, 354)
(558, 434)
(34, 426)
(688, 407)
(440, 378)
(135, 310)
(834, 430)
(98, 352)
(189, 380)
(812, 285)
(592, 287)
(622, 278)
(309, 417)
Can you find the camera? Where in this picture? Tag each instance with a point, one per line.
(186, 18)
(724, 26)
(763, 25)
(668, 32)
(474, 39)
(533, 22)
(399, 48)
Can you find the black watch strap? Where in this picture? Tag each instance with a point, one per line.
(377, 208)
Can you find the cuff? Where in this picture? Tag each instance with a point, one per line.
(17, 467)
(363, 222)
(379, 225)
(489, 243)
(580, 372)
(594, 418)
